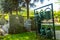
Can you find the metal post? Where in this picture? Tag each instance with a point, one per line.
(53, 22)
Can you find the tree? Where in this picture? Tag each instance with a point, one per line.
(9, 5)
(26, 3)
(13, 5)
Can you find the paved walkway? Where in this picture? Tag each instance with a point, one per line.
(58, 34)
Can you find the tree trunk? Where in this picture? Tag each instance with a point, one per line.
(27, 2)
(27, 10)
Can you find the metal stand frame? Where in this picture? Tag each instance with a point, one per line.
(52, 17)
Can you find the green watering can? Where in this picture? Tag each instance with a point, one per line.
(42, 15)
(42, 30)
(49, 33)
(48, 13)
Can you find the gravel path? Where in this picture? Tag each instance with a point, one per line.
(58, 34)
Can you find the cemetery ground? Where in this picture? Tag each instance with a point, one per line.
(28, 36)
(23, 36)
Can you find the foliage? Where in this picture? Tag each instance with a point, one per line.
(9, 5)
(57, 13)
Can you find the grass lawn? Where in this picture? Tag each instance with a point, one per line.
(57, 27)
(23, 36)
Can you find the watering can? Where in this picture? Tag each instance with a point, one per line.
(49, 33)
(47, 13)
(42, 15)
(42, 30)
